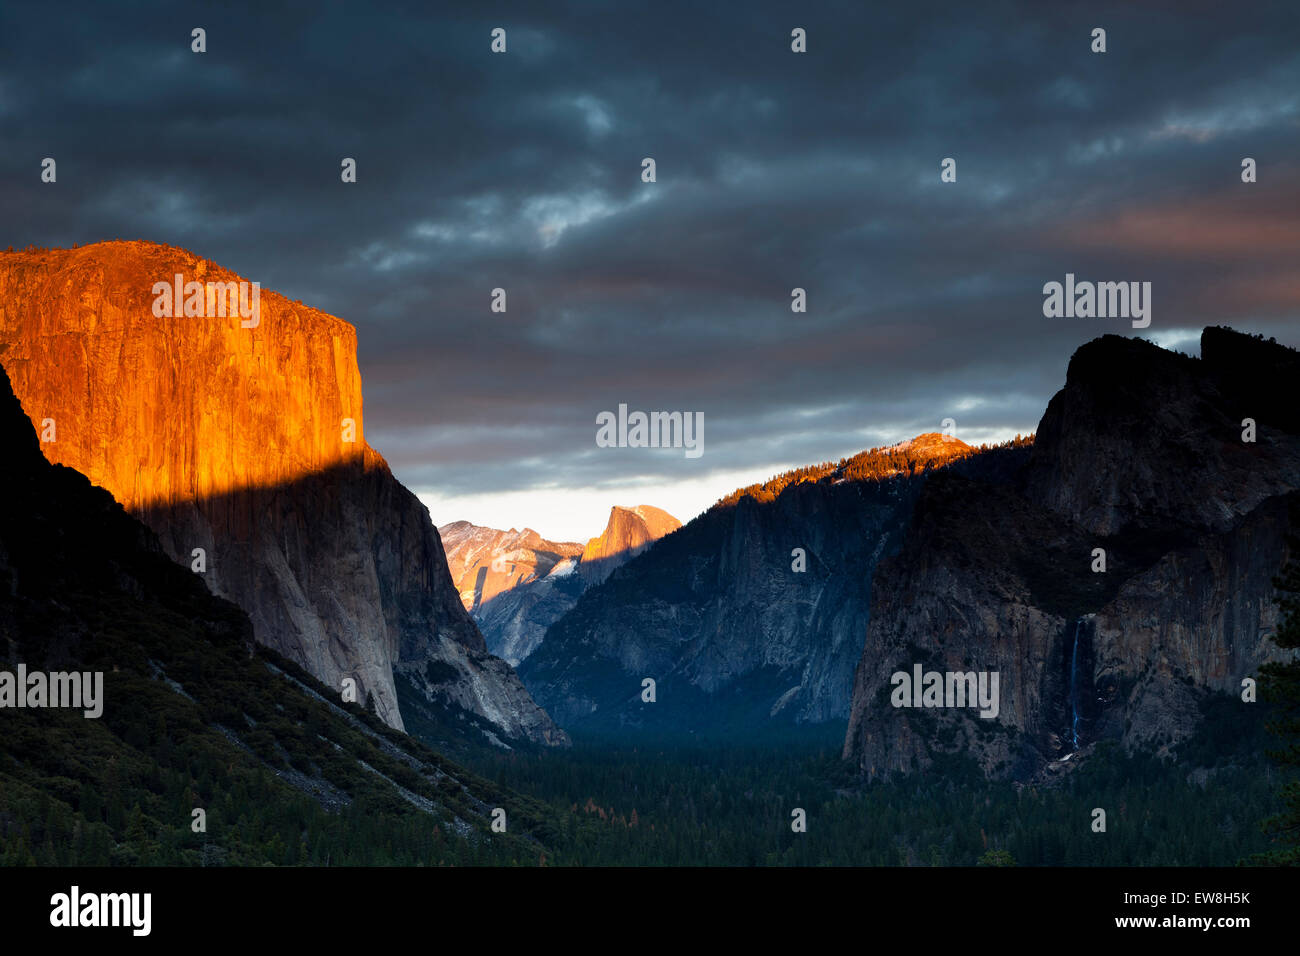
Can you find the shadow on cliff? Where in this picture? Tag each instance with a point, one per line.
(330, 527)
(740, 642)
(1119, 581)
(342, 571)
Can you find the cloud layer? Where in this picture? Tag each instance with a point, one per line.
(775, 170)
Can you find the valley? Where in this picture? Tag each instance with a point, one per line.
(927, 653)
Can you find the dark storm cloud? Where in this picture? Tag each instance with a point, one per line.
(775, 170)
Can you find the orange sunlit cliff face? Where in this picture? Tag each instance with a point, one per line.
(238, 439)
(161, 410)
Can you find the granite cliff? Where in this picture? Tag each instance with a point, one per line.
(516, 584)
(186, 703)
(1141, 456)
(485, 562)
(240, 442)
(628, 532)
(749, 617)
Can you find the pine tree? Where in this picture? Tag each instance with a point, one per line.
(1280, 686)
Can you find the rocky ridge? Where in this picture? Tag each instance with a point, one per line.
(749, 617)
(516, 584)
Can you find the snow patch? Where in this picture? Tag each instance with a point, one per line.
(563, 568)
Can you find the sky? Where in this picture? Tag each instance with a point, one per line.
(775, 170)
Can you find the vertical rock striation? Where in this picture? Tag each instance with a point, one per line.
(516, 584)
(739, 633)
(628, 532)
(234, 440)
(1140, 454)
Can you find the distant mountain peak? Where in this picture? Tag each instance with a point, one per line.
(628, 532)
(485, 562)
(516, 584)
(931, 445)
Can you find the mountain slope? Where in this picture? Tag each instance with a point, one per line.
(1141, 455)
(736, 636)
(628, 532)
(514, 583)
(248, 443)
(517, 584)
(194, 715)
(485, 562)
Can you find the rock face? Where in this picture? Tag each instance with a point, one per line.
(1140, 437)
(1141, 455)
(628, 532)
(485, 562)
(247, 441)
(737, 638)
(86, 587)
(516, 583)
(515, 621)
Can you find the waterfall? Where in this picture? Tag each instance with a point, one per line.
(1074, 686)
